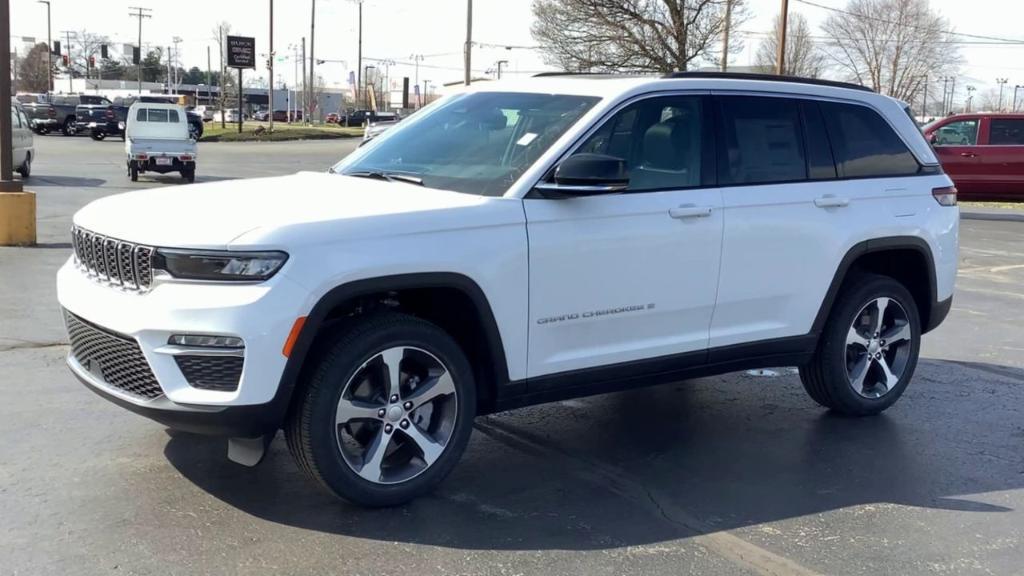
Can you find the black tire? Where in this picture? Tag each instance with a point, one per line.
(26, 167)
(826, 378)
(133, 171)
(189, 175)
(311, 429)
(98, 135)
(68, 129)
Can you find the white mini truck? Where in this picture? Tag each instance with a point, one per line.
(157, 140)
(517, 243)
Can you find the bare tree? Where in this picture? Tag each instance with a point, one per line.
(803, 56)
(32, 71)
(891, 46)
(632, 35)
(220, 37)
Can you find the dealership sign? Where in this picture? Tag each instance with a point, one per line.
(241, 52)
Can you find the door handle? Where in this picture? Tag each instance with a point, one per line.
(690, 211)
(968, 154)
(830, 201)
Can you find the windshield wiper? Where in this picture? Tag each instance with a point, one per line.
(389, 176)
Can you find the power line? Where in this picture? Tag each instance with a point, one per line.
(911, 26)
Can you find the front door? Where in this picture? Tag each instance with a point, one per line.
(629, 276)
(956, 145)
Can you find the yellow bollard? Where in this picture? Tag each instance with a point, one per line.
(17, 218)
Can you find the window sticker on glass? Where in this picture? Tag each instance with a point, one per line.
(526, 139)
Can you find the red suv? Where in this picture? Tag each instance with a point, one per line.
(982, 153)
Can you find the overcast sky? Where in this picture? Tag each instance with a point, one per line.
(397, 29)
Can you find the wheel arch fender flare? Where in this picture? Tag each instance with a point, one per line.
(351, 290)
(889, 243)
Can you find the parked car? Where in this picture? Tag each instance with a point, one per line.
(261, 115)
(159, 140)
(100, 121)
(23, 150)
(571, 237)
(41, 114)
(982, 153)
(377, 128)
(204, 112)
(333, 118)
(230, 115)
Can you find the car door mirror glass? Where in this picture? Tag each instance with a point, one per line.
(588, 175)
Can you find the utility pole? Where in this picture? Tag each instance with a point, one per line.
(140, 13)
(359, 63)
(167, 65)
(209, 78)
(469, 39)
(70, 61)
(500, 62)
(312, 62)
(7, 182)
(305, 95)
(780, 59)
(416, 81)
(1015, 88)
(1002, 83)
(725, 35)
(49, 44)
(970, 98)
(952, 92)
(924, 105)
(270, 65)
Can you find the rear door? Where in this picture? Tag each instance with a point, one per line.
(1003, 157)
(956, 145)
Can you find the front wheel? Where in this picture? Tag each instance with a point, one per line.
(98, 135)
(26, 167)
(868, 350)
(387, 411)
(69, 129)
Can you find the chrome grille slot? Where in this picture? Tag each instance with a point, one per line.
(113, 261)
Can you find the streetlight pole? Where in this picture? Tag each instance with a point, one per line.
(49, 43)
(780, 58)
(270, 66)
(1015, 88)
(174, 63)
(70, 62)
(469, 40)
(500, 62)
(1002, 83)
(312, 62)
(359, 62)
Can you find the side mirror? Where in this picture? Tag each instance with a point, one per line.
(933, 138)
(587, 175)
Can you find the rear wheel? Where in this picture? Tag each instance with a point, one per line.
(189, 174)
(387, 411)
(868, 350)
(133, 171)
(68, 129)
(26, 167)
(98, 135)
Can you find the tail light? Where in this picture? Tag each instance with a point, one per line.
(52, 113)
(185, 158)
(945, 196)
(141, 157)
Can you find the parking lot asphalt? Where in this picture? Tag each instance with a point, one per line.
(735, 474)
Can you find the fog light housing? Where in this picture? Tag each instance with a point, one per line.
(205, 341)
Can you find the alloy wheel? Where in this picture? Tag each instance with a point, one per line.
(396, 415)
(878, 347)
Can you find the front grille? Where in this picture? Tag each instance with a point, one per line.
(113, 261)
(211, 372)
(115, 358)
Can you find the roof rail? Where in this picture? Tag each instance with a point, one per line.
(768, 77)
(556, 73)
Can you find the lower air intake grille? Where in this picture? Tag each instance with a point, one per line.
(211, 372)
(115, 358)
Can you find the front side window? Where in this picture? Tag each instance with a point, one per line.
(959, 133)
(864, 144)
(659, 138)
(15, 119)
(762, 141)
(476, 143)
(1006, 132)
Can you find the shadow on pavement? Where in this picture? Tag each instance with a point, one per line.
(658, 464)
(69, 181)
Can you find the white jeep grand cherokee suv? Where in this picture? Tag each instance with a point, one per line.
(514, 244)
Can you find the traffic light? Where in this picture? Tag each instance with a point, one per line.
(56, 46)
(103, 51)
(65, 58)
(92, 61)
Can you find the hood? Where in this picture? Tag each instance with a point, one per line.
(213, 215)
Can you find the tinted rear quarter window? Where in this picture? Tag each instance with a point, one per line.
(864, 144)
(1006, 132)
(762, 140)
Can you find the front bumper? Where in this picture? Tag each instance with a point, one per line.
(260, 314)
(48, 122)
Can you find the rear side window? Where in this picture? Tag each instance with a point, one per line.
(864, 144)
(1006, 132)
(762, 141)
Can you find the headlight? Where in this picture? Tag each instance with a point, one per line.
(219, 266)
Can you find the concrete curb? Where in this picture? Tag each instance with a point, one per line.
(993, 216)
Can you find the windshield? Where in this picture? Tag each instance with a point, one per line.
(477, 143)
